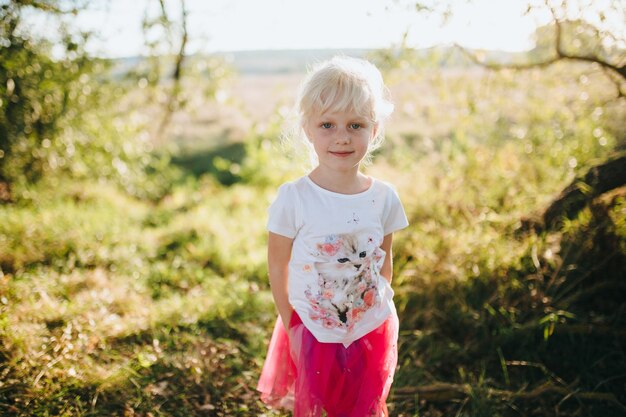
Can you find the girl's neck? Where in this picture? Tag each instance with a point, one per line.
(342, 183)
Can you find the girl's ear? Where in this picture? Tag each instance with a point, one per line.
(305, 128)
(375, 130)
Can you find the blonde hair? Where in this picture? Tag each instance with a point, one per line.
(345, 84)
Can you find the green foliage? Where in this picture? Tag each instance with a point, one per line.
(60, 114)
(272, 159)
(38, 94)
(265, 158)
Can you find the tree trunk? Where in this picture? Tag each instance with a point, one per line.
(576, 196)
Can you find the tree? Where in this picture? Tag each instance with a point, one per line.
(166, 24)
(60, 107)
(575, 39)
(579, 31)
(37, 92)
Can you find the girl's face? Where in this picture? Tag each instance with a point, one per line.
(340, 139)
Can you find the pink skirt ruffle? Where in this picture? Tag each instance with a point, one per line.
(309, 377)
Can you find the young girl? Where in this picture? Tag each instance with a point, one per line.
(334, 346)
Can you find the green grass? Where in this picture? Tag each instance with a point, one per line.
(108, 301)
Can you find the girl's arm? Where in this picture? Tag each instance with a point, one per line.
(387, 268)
(278, 256)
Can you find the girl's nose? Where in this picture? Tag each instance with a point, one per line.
(343, 137)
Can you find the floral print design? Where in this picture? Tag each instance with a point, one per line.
(347, 286)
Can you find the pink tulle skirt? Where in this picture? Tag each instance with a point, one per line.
(309, 377)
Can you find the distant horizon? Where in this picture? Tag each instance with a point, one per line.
(291, 61)
(317, 49)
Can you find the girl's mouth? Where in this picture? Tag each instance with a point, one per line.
(342, 154)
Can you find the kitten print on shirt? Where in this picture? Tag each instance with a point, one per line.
(347, 284)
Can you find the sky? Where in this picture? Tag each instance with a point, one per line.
(225, 25)
(230, 25)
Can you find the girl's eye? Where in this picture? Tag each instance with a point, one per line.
(342, 260)
(326, 125)
(355, 126)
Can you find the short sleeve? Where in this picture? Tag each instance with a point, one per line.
(283, 212)
(394, 215)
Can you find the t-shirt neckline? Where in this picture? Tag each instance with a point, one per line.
(340, 195)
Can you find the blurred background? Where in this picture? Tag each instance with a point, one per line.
(141, 143)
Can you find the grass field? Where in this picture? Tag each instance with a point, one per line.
(113, 305)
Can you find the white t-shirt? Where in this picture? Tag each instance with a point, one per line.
(335, 284)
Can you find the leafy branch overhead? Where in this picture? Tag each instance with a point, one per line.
(571, 39)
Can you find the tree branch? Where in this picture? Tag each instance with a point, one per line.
(443, 392)
(598, 180)
(180, 57)
(559, 54)
(439, 392)
(51, 7)
(557, 29)
(620, 71)
(170, 105)
(497, 67)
